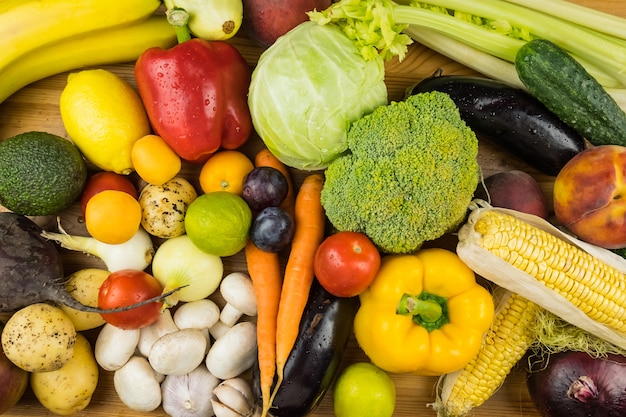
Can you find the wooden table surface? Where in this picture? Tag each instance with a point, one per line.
(36, 108)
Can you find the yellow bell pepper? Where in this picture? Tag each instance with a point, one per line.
(423, 313)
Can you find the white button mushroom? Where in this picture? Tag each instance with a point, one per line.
(179, 352)
(234, 352)
(115, 346)
(238, 292)
(150, 334)
(137, 385)
(199, 314)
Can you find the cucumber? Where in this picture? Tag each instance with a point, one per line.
(570, 92)
(510, 118)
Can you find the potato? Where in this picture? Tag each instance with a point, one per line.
(163, 207)
(84, 286)
(70, 388)
(39, 338)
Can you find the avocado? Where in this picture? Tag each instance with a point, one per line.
(40, 173)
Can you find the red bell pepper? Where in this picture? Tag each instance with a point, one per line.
(195, 94)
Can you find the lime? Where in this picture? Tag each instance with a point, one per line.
(218, 223)
(362, 389)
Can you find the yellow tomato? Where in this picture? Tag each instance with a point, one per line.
(154, 161)
(225, 171)
(112, 216)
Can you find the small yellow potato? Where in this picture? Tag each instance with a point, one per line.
(163, 207)
(39, 338)
(70, 388)
(84, 286)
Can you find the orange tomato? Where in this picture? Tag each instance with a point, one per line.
(112, 216)
(225, 171)
(154, 161)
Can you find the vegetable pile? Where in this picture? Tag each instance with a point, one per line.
(233, 276)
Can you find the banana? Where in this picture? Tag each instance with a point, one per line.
(109, 46)
(30, 24)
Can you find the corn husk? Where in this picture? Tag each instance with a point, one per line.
(498, 271)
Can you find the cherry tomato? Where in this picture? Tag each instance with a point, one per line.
(346, 263)
(105, 180)
(126, 287)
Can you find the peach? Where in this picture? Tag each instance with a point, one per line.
(590, 196)
(516, 190)
(264, 21)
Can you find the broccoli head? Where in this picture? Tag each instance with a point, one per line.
(409, 175)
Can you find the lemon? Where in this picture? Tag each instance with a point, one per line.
(362, 389)
(218, 223)
(104, 116)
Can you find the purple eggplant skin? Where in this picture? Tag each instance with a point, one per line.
(325, 328)
(509, 118)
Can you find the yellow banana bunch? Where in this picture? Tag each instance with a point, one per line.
(101, 47)
(44, 37)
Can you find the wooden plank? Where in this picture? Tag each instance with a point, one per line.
(36, 108)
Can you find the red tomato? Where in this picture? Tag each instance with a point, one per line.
(126, 287)
(105, 180)
(346, 263)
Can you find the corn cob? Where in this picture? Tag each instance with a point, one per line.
(110, 46)
(33, 23)
(580, 283)
(504, 344)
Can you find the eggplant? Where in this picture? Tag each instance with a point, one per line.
(510, 118)
(325, 328)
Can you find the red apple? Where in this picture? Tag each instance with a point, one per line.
(590, 196)
(13, 382)
(264, 21)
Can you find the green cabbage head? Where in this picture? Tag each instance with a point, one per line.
(307, 89)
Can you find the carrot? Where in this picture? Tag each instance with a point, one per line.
(264, 270)
(266, 158)
(298, 277)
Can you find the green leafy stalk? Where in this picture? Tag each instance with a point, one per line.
(494, 27)
(581, 15)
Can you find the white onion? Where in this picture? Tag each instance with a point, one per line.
(179, 263)
(136, 253)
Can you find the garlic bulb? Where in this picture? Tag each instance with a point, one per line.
(189, 395)
(233, 398)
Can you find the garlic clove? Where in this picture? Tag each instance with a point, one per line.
(233, 398)
(189, 395)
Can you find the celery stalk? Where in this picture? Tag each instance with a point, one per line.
(608, 55)
(581, 15)
(494, 27)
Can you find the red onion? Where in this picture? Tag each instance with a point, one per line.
(576, 384)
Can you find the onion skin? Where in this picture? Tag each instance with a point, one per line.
(576, 384)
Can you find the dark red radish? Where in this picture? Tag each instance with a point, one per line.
(31, 270)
